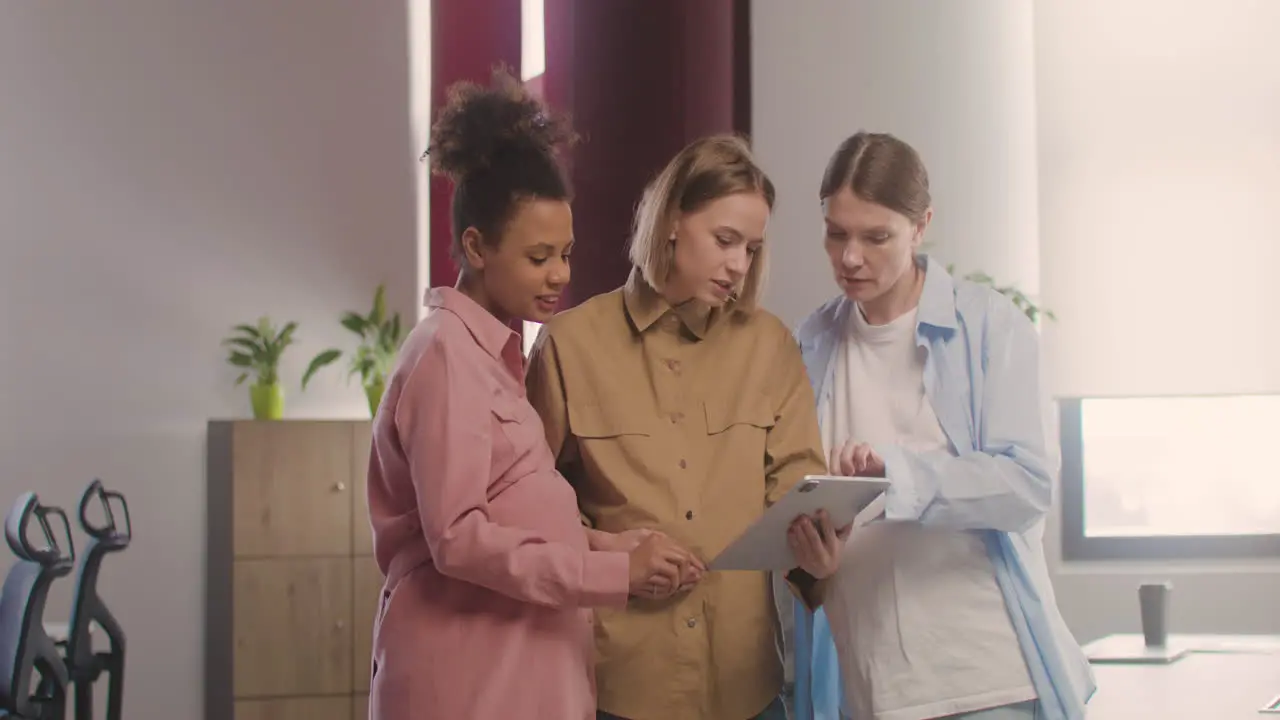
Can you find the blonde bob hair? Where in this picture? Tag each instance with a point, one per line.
(704, 171)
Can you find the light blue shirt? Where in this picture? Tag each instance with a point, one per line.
(982, 376)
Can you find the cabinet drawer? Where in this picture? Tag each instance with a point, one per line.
(292, 627)
(312, 708)
(291, 489)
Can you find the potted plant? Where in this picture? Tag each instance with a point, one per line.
(1020, 299)
(256, 350)
(380, 339)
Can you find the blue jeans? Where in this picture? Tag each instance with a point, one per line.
(775, 711)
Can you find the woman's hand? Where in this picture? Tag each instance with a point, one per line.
(857, 458)
(659, 567)
(816, 544)
(625, 541)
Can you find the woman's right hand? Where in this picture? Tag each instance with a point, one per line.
(816, 544)
(856, 459)
(659, 565)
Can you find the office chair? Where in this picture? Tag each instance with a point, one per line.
(26, 650)
(83, 664)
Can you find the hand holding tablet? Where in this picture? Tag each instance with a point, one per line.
(815, 543)
(764, 546)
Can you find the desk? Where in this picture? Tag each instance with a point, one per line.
(1223, 678)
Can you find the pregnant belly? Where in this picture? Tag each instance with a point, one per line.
(543, 503)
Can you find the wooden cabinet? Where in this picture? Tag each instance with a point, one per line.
(325, 708)
(292, 586)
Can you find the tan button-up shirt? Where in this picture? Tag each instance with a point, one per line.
(690, 421)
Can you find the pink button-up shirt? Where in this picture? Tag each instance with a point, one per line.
(488, 571)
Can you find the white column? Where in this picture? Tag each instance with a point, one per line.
(419, 16)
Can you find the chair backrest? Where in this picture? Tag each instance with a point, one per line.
(104, 537)
(24, 646)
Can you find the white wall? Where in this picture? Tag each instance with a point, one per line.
(953, 79)
(169, 169)
(1160, 168)
(1035, 150)
(1159, 130)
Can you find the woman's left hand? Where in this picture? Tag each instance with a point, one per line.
(816, 544)
(692, 569)
(627, 540)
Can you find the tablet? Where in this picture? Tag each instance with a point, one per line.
(763, 545)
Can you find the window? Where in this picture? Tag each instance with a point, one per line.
(533, 53)
(533, 61)
(1170, 477)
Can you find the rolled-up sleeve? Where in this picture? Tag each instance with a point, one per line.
(1005, 485)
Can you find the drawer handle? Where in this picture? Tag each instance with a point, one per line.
(339, 486)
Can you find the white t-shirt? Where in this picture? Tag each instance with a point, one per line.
(919, 623)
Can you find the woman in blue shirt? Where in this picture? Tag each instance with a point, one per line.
(943, 608)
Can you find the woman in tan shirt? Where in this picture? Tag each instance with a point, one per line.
(674, 403)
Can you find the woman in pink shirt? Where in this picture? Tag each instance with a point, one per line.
(484, 613)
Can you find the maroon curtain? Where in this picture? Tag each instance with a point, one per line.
(468, 38)
(642, 78)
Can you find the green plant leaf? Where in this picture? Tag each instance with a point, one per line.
(250, 346)
(381, 336)
(319, 361)
(257, 349)
(379, 313)
(1019, 299)
(355, 323)
(363, 363)
(285, 337)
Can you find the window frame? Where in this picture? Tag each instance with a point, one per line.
(1077, 546)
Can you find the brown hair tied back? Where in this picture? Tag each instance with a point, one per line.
(880, 168)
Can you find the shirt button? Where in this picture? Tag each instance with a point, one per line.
(688, 515)
(691, 622)
(677, 417)
(674, 366)
(683, 464)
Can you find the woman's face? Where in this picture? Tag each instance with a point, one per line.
(871, 247)
(525, 272)
(714, 248)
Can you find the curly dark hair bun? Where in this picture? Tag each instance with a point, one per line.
(498, 146)
(479, 127)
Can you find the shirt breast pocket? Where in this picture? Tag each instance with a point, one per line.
(744, 415)
(614, 442)
(515, 436)
(737, 432)
(604, 420)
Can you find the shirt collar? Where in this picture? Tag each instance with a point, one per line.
(936, 308)
(937, 305)
(492, 335)
(646, 306)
